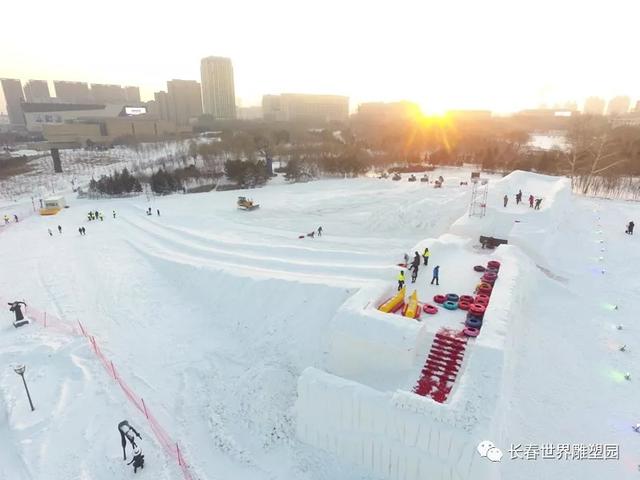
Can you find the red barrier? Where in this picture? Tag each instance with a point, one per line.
(51, 322)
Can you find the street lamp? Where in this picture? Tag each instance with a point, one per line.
(19, 369)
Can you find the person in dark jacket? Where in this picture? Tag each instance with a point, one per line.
(415, 265)
(127, 432)
(531, 199)
(158, 211)
(506, 200)
(630, 228)
(320, 231)
(538, 202)
(138, 459)
(436, 275)
(414, 271)
(59, 229)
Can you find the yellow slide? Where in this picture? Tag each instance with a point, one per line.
(413, 309)
(394, 302)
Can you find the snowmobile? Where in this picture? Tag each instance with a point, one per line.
(425, 178)
(412, 178)
(396, 177)
(247, 204)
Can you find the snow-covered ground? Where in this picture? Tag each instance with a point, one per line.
(214, 316)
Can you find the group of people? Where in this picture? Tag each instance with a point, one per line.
(7, 218)
(51, 233)
(415, 266)
(98, 215)
(533, 202)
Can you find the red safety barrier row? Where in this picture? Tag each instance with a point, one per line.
(49, 321)
(441, 368)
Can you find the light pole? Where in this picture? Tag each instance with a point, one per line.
(20, 371)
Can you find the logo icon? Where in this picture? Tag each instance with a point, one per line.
(488, 450)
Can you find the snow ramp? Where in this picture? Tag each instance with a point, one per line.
(530, 229)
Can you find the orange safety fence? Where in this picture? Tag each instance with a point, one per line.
(52, 322)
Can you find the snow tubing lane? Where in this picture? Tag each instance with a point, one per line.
(479, 268)
(473, 322)
(453, 297)
(471, 331)
(439, 299)
(430, 309)
(450, 305)
(493, 264)
(466, 298)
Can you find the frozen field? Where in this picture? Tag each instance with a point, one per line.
(212, 315)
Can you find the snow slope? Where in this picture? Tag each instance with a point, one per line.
(214, 315)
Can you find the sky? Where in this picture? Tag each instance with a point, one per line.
(499, 55)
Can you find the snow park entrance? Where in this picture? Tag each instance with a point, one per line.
(197, 336)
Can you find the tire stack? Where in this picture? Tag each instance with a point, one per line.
(477, 308)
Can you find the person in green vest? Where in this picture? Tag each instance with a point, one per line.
(425, 256)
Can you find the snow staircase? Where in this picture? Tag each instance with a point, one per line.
(442, 366)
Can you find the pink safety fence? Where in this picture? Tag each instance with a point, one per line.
(52, 322)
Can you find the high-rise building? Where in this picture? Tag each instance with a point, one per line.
(13, 96)
(289, 107)
(594, 106)
(72, 92)
(218, 91)
(37, 91)
(185, 100)
(162, 104)
(102, 93)
(618, 105)
(132, 94)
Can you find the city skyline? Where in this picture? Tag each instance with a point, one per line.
(462, 55)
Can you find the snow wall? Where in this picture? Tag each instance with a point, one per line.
(400, 435)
